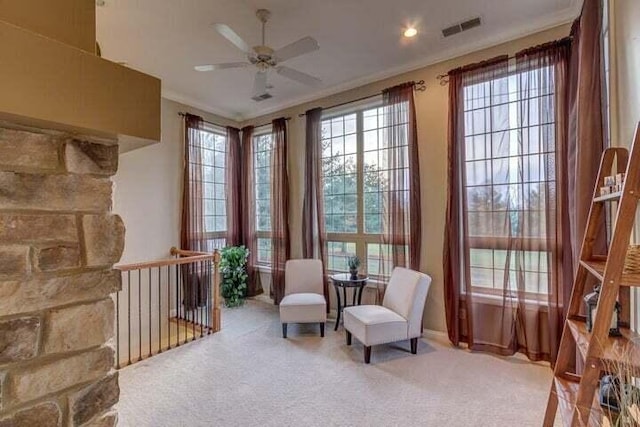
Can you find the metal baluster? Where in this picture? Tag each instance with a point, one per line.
(195, 308)
(149, 310)
(118, 330)
(184, 281)
(139, 315)
(159, 311)
(211, 296)
(169, 307)
(129, 313)
(177, 307)
(208, 305)
(200, 307)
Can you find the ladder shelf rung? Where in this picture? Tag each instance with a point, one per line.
(567, 391)
(608, 197)
(597, 266)
(617, 352)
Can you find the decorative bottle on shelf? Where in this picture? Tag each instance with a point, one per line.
(591, 303)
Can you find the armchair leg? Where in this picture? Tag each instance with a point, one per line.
(414, 345)
(367, 354)
(348, 337)
(284, 330)
(322, 329)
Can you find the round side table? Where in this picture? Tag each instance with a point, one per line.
(344, 281)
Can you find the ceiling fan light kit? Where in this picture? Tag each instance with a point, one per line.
(265, 58)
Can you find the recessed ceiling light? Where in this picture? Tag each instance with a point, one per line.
(410, 32)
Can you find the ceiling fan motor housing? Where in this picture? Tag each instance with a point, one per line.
(263, 58)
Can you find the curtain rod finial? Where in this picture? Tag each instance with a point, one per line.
(443, 79)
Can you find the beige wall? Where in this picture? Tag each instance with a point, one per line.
(72, 22)
(148, 189)
(626, 65)
(432, 107)
(625, 90)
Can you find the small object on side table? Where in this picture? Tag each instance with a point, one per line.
(354, 264)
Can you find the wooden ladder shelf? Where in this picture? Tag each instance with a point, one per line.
(576, 395)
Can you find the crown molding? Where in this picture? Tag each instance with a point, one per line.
(545, 22)
(191, 102)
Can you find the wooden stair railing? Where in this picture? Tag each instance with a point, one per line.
(576, 396)
(151, 311)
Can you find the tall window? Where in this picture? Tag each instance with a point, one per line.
(214, 152)
(509, 181)
(262, 147)
(355, 181)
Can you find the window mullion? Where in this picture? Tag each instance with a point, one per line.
(360, 244)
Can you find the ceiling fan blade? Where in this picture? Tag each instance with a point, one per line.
(300, 47)
(260, 83)
(211, 67)
(226, 32)
(298, 76)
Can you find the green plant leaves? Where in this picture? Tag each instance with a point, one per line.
(233, 268)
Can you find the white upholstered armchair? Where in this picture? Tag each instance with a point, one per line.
(304, 294)
(398, 318)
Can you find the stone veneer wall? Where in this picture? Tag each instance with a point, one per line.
(58, 243)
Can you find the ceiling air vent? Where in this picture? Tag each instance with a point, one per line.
(462, 26)
(262, 97)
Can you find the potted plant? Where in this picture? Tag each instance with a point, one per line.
(354, 264)
(233, 268)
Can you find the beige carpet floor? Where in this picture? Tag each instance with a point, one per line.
(247, 375)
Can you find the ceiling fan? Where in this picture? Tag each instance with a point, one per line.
(265, 58)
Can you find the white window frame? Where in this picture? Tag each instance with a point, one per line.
(360, 238)
(261, 234)
(216, 235)
(497, 243)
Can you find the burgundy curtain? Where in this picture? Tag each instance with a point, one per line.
(248, 213)
(543, 77)
(279, 208)
(401, 203)
(313, 230)
(455, 237)
(192, 224)
(234, 184)
(585, 122)
(192, 227)
(505, 279)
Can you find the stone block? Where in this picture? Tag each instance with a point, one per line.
(54, 192)
(79, 327)
(38, 293)
(19, 339)
(58, 257)
(23, 150)
(29, 383)
(88, 157)
(14, 261)
(20, 228)
(94, 399)
(103, 239)
(46, 414)
(109, 419)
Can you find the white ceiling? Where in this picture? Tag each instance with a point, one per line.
(360, 41)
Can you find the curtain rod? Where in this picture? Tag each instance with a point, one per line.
(420, 86)
(225, 126)
(181, 114)
(268, 124)
(444, 78)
